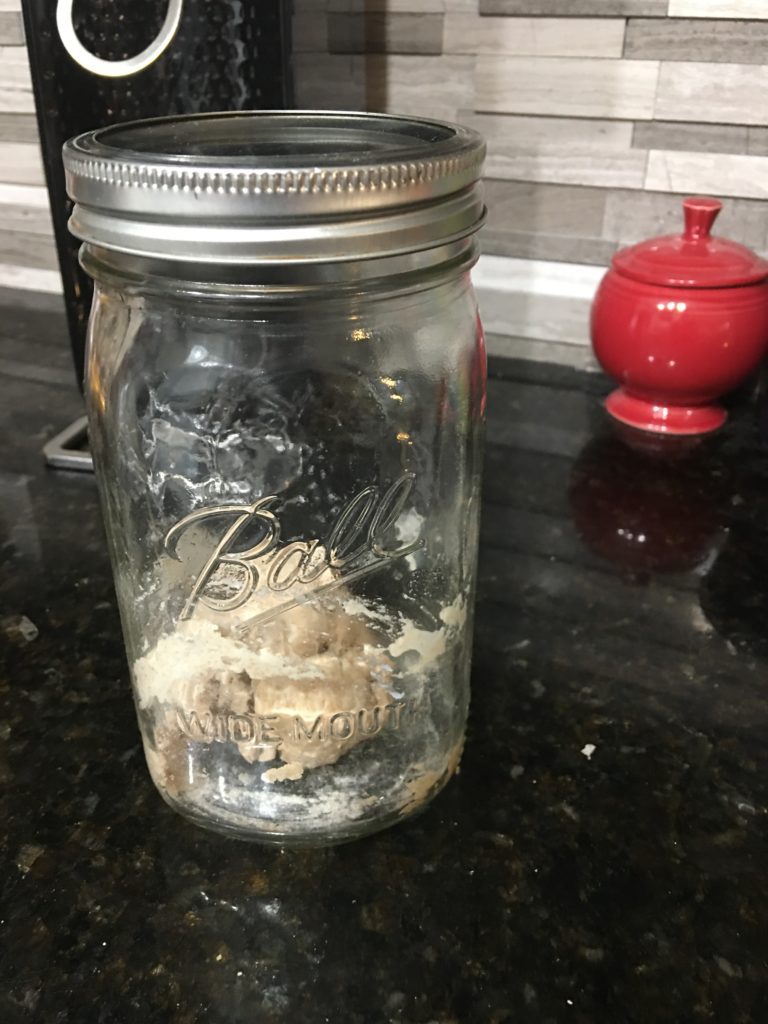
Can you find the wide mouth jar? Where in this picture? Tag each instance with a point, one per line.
(285, 386)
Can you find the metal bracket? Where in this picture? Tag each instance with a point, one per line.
(65, 451)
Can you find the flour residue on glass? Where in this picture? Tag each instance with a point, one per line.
(294, 696)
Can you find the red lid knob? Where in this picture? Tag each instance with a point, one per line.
(700, 214)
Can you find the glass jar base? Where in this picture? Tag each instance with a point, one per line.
(416, 802)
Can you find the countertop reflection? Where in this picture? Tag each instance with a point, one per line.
(601, 855)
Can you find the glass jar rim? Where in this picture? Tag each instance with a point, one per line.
(275, 186)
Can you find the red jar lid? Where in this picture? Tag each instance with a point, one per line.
(694, 259)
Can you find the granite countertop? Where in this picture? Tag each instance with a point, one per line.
(600, 858)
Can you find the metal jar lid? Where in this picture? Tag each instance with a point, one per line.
(275, 187)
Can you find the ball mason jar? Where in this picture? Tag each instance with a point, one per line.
(286, 381)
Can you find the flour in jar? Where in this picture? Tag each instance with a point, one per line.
(301, 689)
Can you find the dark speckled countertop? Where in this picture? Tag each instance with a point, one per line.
(600, 859)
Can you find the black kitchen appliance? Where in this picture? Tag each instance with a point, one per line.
(96, 62)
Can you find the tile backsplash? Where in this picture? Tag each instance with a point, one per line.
(599, 115)
(27, 250)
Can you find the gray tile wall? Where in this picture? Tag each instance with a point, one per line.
(600, 115)
(27, 251)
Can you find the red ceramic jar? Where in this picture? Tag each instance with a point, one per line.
(678, 321)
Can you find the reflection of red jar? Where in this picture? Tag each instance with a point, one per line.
(679, 320)
(647, 511)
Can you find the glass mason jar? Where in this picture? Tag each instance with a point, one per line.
(286, 381)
